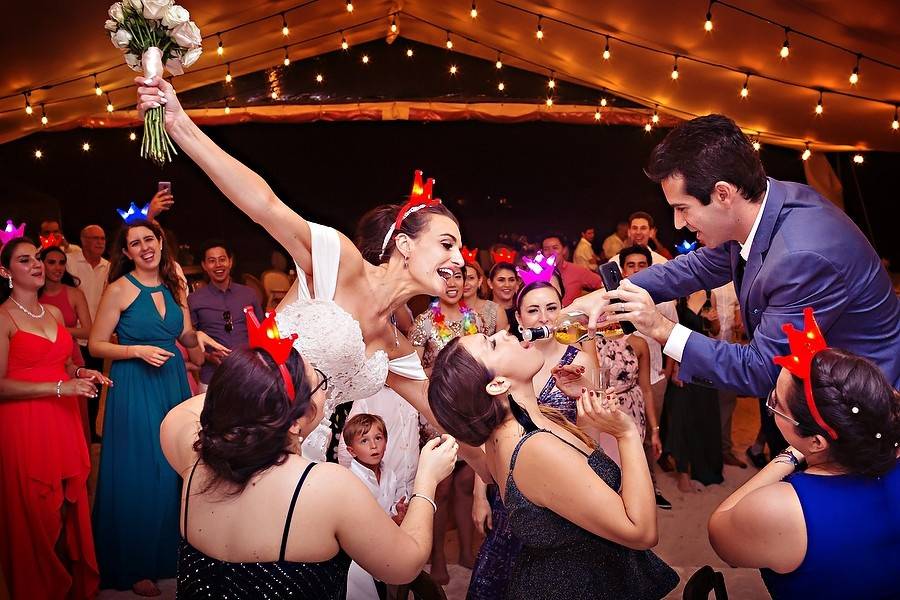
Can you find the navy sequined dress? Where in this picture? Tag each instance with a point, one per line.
(201, 576)
(560, 560)
(498, 552)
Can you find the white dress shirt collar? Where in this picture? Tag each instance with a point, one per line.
(748, 243)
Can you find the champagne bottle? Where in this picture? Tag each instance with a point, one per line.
(569, 327)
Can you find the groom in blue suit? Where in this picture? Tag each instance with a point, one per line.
(783, 245)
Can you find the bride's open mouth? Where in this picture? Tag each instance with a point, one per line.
(445, 273)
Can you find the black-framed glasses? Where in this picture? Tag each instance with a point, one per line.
(770, 405)
(229, 324)
(323, 382)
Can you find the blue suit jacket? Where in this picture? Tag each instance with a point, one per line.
(806, 252)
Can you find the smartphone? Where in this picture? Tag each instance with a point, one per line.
(612, 276)
(164, 186)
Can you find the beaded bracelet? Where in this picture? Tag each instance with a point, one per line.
(799, 464)
(59, 389)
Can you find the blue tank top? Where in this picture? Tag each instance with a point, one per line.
(853, 538)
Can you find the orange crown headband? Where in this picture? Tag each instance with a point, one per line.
(504, 255)
(419, 198)
(470, 256)
(266, 337)
(804, 345)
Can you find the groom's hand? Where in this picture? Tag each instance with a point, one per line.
(638, 307)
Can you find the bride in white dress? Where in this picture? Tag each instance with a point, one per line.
(341, 303)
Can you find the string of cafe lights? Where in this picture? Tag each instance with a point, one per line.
(785, 50)
(394, 28)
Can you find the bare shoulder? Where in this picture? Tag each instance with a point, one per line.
(351, 259)
(75, 295)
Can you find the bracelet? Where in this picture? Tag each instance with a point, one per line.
(59, 389)
(799, 464)
(76, 371)
(424, 497)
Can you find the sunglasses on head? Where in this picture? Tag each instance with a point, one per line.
(229, 324)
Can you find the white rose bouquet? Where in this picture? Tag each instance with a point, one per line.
(153, 33)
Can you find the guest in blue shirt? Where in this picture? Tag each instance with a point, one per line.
(822, 520)
(217, 308)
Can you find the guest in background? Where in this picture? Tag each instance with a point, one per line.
(249, 491)
(493, 317)
(217, 309)
(691, 412)
(446, 319)
(576, 279)
(617, 240)
(727, 308)
(46, 546)
(61, 290)
(504, 283)
(584, 251)
(822, 519)
(136, 507)
(641, 232)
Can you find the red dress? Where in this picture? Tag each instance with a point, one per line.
(44, 461)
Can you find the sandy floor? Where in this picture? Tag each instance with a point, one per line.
(683, 541)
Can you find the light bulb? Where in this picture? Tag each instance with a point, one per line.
(539, 34)
(549, 102)
(274, 95)
(97, 89)
(474, 12)
(132, 136)
(285, 31)
(287, 61)
(228, 78)
(655, 117)
(675, 73)
(349, 6)
(449, 42)
(858, 159)
(86, 147)
(648, 127)
(854, 76)
(744, 91)
(785, 50)
(28, 109)
(895, 124)
(501, 86)
(109, 107)
(756, 145)
(806, 153)
(221, 49)
(820, 108)
(227, 110)
(319, 78)
(409, 52)
(344, 44)
(365, 59)
(598, 115)
(38, 154)
(603, 102)
(708, 25)
(551, 83)
(499, 63)
(606, 52)
(44, 120)
(453, 69)
(393, 24)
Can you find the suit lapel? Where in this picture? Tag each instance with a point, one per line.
(760, 246)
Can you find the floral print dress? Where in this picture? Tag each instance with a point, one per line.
(619, 359)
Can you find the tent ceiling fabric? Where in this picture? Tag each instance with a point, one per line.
(53, 42)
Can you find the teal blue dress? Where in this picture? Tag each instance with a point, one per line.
(138, 494)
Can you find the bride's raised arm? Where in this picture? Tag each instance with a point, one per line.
(240, 184)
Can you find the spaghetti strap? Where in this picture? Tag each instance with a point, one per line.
(290, 514)
(16, 325)
(515, 454)
(187, 496)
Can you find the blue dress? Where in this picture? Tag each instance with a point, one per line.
(498, 552)
(853, 538)
(137, 501)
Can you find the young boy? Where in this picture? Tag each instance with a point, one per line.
(366, 439)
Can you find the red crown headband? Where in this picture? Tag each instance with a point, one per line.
(50, 241)
(419, 198)
(470, 256)
(504, 255)
(804, 345)
(266, 337)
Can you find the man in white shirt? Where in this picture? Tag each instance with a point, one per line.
(641, 230)
(584, 251)
(89, 266)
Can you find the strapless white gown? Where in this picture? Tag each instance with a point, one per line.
(331, 339)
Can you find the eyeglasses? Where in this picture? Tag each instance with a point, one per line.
(229, 324)
(770, 404)
(323, 382)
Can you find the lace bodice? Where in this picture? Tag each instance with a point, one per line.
(331, 339)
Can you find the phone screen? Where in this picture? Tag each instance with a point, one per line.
(164, 186)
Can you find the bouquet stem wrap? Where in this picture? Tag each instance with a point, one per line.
(156, 144)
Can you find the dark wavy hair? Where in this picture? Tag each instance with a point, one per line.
(706, 150)
(6, 259)
(502, 266)
(374, 225)
(247, 415)
(67, 278)
(840, 382)
(458, 397)
(121, 264)
(535, 285)
(642, 250)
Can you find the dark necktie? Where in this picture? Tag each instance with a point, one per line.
(739, 273)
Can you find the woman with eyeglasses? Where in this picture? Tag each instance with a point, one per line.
(822, 519)
(257, 518)
(136, 506)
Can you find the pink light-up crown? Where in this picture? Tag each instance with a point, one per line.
(11, 232)
(539, 268)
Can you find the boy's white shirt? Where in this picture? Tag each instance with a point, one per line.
(387, 493)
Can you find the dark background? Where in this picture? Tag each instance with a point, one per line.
(496, 177)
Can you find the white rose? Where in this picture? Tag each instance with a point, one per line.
(111, 25)
(133, 61)
(136, 5)
(120, 39)
(115, 12)
(187, 35)
(175, 15)
(191, 56)
(156, 9)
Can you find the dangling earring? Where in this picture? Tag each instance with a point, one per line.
(10, 282)
(521, 329)
(405, 263)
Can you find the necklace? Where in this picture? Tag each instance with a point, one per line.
(28, 312)
(443, 330)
